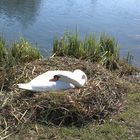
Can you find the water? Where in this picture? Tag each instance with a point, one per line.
(40, 21)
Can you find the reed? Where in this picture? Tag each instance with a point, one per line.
(69, 44)
(110, 50)
(19, 52)
(129, 58)
(104, 50)
(3, 50)
(24, 52)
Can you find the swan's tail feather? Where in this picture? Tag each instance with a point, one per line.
(25, 86)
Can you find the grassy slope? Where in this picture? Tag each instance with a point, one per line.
(124, 126)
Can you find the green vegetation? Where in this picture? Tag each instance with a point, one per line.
(104, 51)
(24, 52)
(19, 52)
(3, 50)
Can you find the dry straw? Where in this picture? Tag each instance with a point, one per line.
(98, 99)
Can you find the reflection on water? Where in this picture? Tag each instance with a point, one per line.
(24, 11)
(41, 20)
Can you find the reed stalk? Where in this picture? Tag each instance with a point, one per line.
(104, 50)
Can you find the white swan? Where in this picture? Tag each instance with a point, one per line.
(56, 80)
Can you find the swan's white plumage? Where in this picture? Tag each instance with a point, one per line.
(67, 80)
(77, 78)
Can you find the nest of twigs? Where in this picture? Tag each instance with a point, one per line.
(100, 97)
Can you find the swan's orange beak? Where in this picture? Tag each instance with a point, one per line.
(55, 78)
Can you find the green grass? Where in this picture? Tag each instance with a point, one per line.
(19, 52)
(24, 52)
(3, 50)
(104, 50)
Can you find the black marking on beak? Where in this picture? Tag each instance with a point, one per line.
(55, 78)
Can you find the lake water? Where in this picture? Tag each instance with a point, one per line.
(40, 21)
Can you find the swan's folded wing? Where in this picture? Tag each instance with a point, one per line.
(71, 78)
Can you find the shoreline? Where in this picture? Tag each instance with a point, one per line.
(102, 97)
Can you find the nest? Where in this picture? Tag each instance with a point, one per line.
(98, 99)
